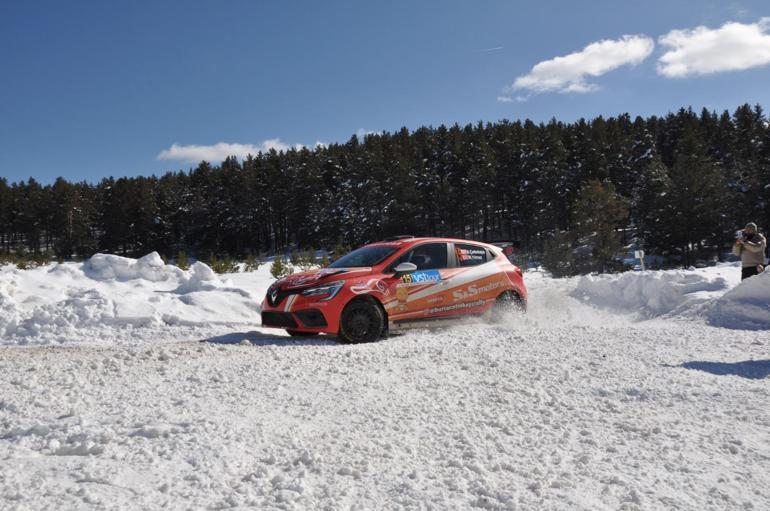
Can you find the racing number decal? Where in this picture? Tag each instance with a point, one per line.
(416, 279)
(421, 277)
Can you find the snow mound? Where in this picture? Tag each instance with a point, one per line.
(118, 299)
(150, 267)
(651, 294)
(746, 306)
(200, 278)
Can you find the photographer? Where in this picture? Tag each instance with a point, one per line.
(750, 247)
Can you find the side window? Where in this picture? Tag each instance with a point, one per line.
(431, 256)
(470, 255)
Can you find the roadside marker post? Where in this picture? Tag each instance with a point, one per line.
(639, 254)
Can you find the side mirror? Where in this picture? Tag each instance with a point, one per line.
(404, 268)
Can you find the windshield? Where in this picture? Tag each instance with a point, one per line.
(364, 256)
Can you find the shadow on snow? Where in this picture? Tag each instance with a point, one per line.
(752, 369)
(265, 339)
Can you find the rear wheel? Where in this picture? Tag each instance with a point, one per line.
(361, 321)
(506, 304)
(297, 333)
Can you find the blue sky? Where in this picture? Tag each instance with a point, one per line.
(91, 89)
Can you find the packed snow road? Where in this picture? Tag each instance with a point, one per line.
(579, 405)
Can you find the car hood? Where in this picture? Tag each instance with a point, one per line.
(311, 278)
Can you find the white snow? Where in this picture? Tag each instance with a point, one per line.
(745, 306)
(657, 293)
(110, 299)
(633, 391)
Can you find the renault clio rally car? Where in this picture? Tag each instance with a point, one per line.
(401, 282)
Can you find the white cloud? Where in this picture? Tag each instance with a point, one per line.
(361, 133)
(218, 152)
(569, 73)
(702, 50)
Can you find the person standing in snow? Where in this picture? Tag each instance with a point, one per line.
(750, 247)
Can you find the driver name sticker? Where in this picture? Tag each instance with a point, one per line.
(422, 277)
(471, 254)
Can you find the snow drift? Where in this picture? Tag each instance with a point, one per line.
(113, 298)
(653, 293)
(150, 267)
(714, 294)
(746, 306)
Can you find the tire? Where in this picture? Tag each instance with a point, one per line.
(506, 304)
(361, 321)
(297, 333)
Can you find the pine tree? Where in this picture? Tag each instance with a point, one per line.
(558, 257)
(181, 260)
(698, 202)
(649, 207)
(279, 268)
(599, 215)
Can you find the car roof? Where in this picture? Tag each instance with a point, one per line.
(401, 242)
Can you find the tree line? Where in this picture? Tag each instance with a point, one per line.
(677, 186)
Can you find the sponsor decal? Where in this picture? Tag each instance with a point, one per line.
(454, 307)
(402, 293)
(421, 277)
(373, 286)
(473, 290)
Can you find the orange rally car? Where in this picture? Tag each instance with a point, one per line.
(401, 282)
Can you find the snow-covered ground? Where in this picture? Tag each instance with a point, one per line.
(634, 391)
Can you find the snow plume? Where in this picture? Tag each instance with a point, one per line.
(221, 150)
(569, 73)
(702, 50)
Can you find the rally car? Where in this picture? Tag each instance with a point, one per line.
(401, 282)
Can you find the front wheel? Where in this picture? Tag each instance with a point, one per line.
(361, 321)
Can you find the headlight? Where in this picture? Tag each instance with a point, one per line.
(328, 291)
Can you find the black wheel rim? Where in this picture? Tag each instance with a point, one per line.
(358, 324)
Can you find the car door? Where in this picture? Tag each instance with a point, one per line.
(416, 293)
(476, 279)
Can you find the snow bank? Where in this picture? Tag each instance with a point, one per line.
(200, 278)
(715, 295)
(747, 306)
(117, 299)
(150, 267)
(656, 293)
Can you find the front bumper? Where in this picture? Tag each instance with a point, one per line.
(305, 319)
